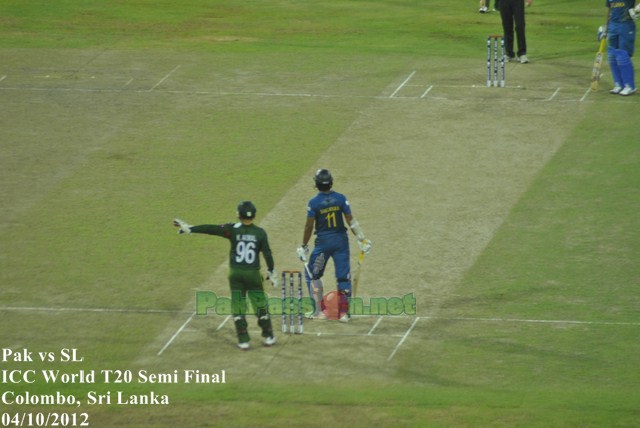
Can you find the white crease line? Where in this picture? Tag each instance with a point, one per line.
(166, 345)
(164, 78)
(223, 322)
(584, 97)
(374, 326)
(100, 310)
(3, 77)
(534, 321)
(267, 94)
(403, 339)
(426, 92)
(324, 333)
(402, 84)
(379, 317)
(554, 95)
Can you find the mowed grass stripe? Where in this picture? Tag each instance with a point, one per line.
(568, 248)
(566, 251)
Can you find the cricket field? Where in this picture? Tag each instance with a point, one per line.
(502, 286)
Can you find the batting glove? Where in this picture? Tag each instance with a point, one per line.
(183, 226)
(303, 252)
(635, 12)
(365, 246)
(601, 33)
(273, 277)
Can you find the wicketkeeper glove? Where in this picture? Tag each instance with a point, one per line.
(365, 246)
(303, 252)
(183, 226)
(273, 277)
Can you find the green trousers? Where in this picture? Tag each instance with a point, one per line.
(247, 287)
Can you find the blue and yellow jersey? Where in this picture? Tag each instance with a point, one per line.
(620, 10)
(328, 210)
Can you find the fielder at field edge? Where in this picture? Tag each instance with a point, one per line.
(621, 37)
(327, 213)
(247, 242)
(485, 6)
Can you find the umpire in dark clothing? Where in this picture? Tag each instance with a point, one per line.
(512, 11)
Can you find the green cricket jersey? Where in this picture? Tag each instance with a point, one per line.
(247, 242)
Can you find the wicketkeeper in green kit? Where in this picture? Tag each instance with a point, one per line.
(247, 242)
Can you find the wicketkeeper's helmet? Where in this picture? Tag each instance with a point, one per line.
(323, 179)
(247, 210)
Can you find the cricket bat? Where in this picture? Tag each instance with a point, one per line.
(597, 65)
(356, 277)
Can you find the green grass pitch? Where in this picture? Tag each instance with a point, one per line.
(510, 214)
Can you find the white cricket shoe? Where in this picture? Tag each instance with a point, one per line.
(313, 316)
(628, 90)
(522, 59)
(244, 346)
(269, 341)
(345, 318)
(483, 9)
(616, 89)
